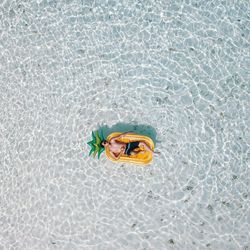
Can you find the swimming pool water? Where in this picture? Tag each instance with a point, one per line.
(69, 67)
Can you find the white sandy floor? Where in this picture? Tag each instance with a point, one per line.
(70, 67)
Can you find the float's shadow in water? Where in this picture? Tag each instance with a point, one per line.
(125, 127)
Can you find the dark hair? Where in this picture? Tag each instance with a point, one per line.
(102, 143)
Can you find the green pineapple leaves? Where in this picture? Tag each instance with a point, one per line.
(95, 144)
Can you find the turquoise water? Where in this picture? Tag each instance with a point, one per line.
(70, 67)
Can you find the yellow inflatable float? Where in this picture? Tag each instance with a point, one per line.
(140, 156)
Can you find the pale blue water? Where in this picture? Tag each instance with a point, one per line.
(69, 67)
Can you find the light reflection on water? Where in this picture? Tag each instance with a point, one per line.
(70, 67)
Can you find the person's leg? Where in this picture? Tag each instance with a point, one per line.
(137, 152)
(147, 148)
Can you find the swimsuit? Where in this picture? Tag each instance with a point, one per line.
(131, 146)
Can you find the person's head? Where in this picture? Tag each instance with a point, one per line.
(104, 143)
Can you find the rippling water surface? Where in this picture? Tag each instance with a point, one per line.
(69, 67)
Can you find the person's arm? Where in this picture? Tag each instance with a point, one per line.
(115, 157)
(121, 135)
